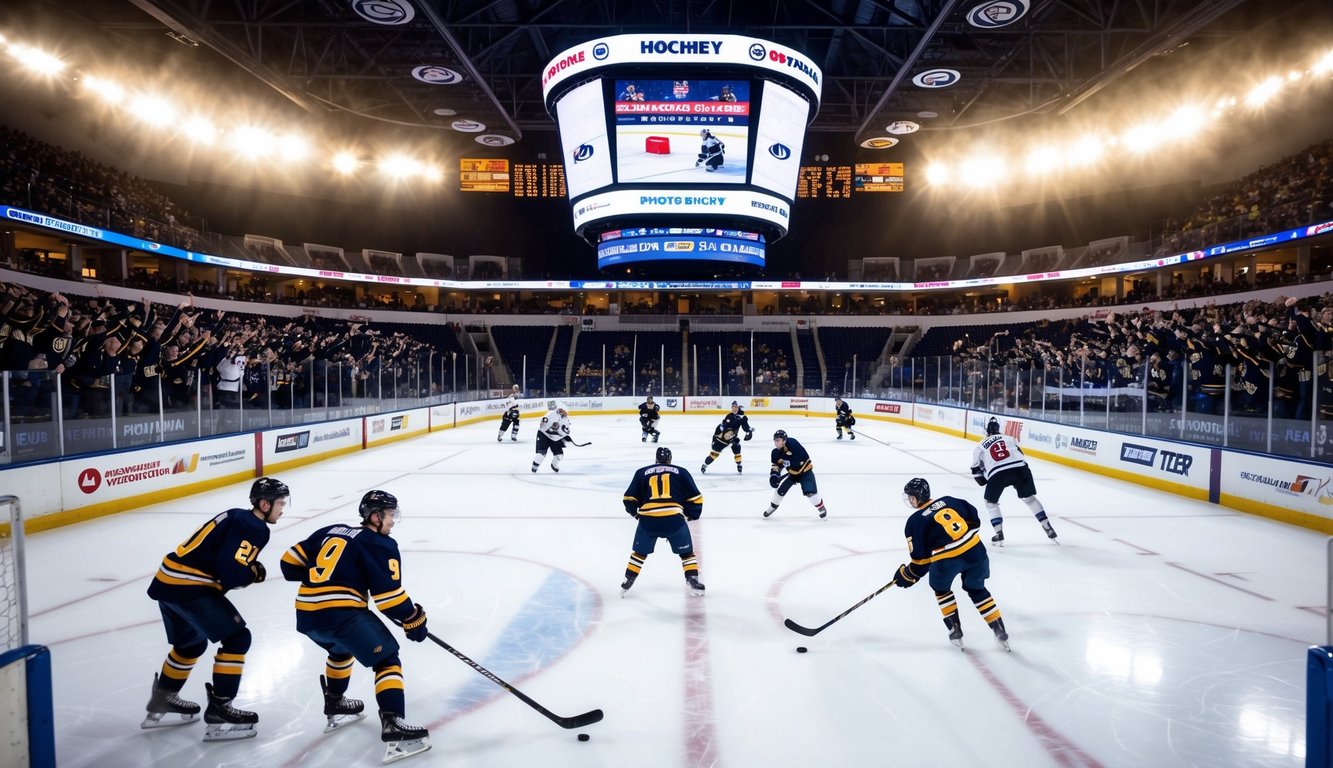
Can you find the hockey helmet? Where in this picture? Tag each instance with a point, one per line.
(664, 455)
(377, 501)
(993, 426)
(916, 488)
(703, 134)
(781, 434)
(650, 398)
(268, 489)
(837, 399)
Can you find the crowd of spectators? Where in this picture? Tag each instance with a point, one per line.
(1276, 352)
(40, 177)
(1296, 190)
(193, 358)
(384, 265)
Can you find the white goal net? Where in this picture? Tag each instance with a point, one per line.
(13, 605)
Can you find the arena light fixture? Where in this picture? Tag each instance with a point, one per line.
(938, 174)
(1325, 64)
(293, 148)
(399, 166)
(345, 163)
(433, 174)
(982, 170)
(252, 142)
(106, 90)
(200, 131)
(35, 59)
(152, 109)
(1261, 93)
(1042, 160)
(1088, 150)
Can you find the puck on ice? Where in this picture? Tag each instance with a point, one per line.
(584, 737)
(801, 649)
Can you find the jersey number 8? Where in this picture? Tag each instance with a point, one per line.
(951, 523)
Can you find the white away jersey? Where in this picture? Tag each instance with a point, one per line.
(511, 402)
(554, 425)
(995, 453)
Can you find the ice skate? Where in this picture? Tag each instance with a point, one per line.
(839, 435)
(499, 437)
(656, 435)
(998, 539)
(400, 739)
(1050, 532)
(739, 469)
(696, 587)
(627, 583)
(703, 468)
(823, 514)
(226, 722)
(162, 703)
(769, 512)
(1001, 635)
(852, 435)
(513, 438)
(644, 438)
(340, 710)
(955, 631)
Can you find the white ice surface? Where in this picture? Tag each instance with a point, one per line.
(1161, 632)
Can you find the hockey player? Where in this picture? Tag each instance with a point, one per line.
(649, 415)
(998, 463)
(728, 433)
(510, 417)
(190, 588)
(843, 418)
(791, 466)
(662, 497)
(341, 568)
(944, 541)
(711, 151)
(551, 435)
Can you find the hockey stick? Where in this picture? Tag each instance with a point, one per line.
(577, 721)
(868, 437)
(581, 445)
(809, 632)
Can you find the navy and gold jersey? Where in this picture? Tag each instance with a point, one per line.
(791, 457)
(731, 427)
(217, 556)
(649, 411)
(843, 412)
(664, 490)
(946, 527)
(343, 568)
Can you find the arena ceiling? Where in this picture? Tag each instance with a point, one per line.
(349, 63)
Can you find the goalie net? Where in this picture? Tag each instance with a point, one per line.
(13, 605)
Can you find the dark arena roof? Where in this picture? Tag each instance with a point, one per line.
(342, 71)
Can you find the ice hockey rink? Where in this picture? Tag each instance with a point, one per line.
(1159, 632)
(637, 164)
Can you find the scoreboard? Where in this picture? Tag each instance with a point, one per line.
(879, 177)
(824, 181)
(483, 175)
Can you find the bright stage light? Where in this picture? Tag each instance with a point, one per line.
(399, 166)
(938, 175)
(345, 163)
(106, 90)
(1261, 93)
(199, 130)
(37, 60)
(151, 109)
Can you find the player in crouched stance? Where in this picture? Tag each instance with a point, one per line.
(339, 567)
(843, 418)
(649, 414)
(944, 541)
(509, 417)
(662, 498)
(190, 589)
(998, 463)
(551, 435)
(729, 433)
(792, 466)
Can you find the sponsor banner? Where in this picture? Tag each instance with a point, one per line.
(888, 408)
(1249, 481)
(798, 404)
(99, 479)
(1155, 461)
(442, 415)
(1169, 462)
(729, 51)
(391, 426)
(758, 402)
(705, 403)
(940, 417)
(284, 445)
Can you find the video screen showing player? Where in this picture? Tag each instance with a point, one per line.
(682, 131)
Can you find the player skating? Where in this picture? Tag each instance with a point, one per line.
(190, 588)
(728, 433)
(944, 541)
(711, 151)
(551, 435)
(649, 415)
(341, 569)
(998, 463)
(662, 497)
(843, 418)
(792, 466)
(509, 419)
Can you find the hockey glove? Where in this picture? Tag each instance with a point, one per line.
(749, 434)
(904, 578)
(415, 625)
(981, 481)
(774, 481)
(257, 568)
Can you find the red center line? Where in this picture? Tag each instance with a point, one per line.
(1064, 751)
(699, 717)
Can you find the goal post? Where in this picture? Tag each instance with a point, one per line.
(27, 723)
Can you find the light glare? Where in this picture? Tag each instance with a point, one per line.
(1261, 93)
(106, 90)
(153, 110)
(345, 162)
(35, 59)
(199, 130)
(399, 166)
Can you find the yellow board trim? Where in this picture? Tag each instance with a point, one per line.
(1281, 514)
(273, 468)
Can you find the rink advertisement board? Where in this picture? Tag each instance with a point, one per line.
(1284, 489)
(395, 425)
(109, 483)
(941, 418)
(293, 446)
